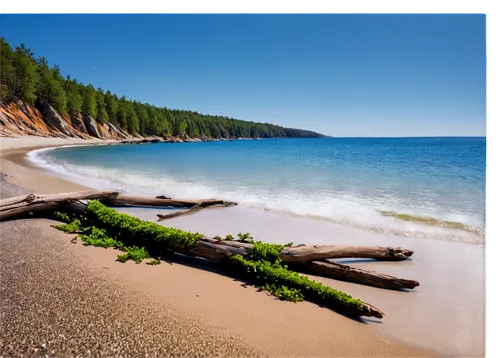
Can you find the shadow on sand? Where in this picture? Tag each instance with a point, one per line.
(214, 267)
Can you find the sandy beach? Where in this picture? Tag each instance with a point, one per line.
(78, 300)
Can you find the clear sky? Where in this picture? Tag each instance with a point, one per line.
(341, 75)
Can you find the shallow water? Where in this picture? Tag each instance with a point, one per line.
(445, 313)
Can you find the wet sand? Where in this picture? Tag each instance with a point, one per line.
(436, 319)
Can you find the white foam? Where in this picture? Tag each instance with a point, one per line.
(36, 158)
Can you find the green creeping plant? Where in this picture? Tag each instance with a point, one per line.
(72, 227)
(154, 262)
(245, 237)
(130, 230)
(133, 253)
(105, 227)
(62, 217)
(279, 279)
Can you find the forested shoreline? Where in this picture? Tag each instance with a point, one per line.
(33, 81)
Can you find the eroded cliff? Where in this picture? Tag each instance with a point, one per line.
(19, 118)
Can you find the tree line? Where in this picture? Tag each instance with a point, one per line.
(32, 80)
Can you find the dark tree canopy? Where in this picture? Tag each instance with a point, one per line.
(29, 79)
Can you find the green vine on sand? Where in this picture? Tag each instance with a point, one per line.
(99, 238)
(153, 262)
(104, 227)
(64, 217)
(264, 267)
(286, 284)
(69, 228)
(131, 230)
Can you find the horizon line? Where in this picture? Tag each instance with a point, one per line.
(402, 137)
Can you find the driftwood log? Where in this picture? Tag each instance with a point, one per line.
(134, 200)
(315, 252)
(306, 258)
(26, 204)
(218, 250)
(301, 253)
(353, 274)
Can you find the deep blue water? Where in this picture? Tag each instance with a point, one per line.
(350, 181)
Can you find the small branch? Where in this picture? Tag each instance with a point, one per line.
(179, 213)
(162, 197)
(197, 207)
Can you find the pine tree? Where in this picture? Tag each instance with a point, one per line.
(25, 76)
(89, 101)
(7, 71)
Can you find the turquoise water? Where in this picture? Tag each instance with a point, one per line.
(414, 187)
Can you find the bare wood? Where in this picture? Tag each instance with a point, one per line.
(190, 210)
(315, 252)
(216, 252)
(353, 274)
(25, 204)
(17, 199)
(76, 207)
(370, 310)
(240, 244)
(179, 213)
(134, 200)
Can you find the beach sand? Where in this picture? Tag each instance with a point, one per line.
(199, 312)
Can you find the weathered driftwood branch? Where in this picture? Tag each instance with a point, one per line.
(134, 200)
(316, 252)
(179, 213)
(353, 274)
(195, 208)
(305, 258)
(219, 249)
(25, 204)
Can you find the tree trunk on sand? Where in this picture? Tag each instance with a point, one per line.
(353, 274)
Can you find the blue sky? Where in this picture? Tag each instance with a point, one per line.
(342, 75)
